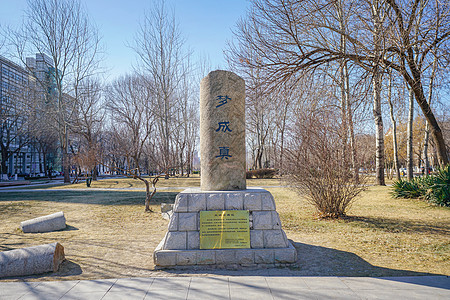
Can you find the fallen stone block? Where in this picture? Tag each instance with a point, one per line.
(48, 223)
(32, 260)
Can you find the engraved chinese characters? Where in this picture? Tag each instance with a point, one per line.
(222, 132)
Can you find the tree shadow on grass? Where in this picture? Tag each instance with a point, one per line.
(399, 225)
(322, 261)
(90, 197)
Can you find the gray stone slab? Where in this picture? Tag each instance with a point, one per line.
(181, 203)
(187, 221)
(276, 222)
(264, 256)
(193, 240)
(234, 201)
(186, 258)
(245, 256)
(173, 223)
(196, 202)
(206, 257)
(274, 239)
(165, 258)
(227, 256)
(252, 201)
(215, 201)
(285, 255)
(262, 220)
(256, 239)
(267, 201)
(176, 240)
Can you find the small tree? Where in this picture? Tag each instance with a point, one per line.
(315, 166)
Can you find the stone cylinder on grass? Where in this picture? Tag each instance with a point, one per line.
(48, 223)
(222, 132)
(32, 260)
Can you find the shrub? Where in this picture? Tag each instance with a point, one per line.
(407, 188)
(316, 169)
(438, 191)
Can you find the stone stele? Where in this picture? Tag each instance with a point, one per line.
(223, 187)
(222, 132)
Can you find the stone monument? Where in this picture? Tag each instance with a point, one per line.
(223, 224)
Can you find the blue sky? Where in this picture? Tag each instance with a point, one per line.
(206, 25)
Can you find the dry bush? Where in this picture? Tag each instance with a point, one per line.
(316, 166)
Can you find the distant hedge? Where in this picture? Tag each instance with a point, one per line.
(261, 173)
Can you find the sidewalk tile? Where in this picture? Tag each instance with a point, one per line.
(316, 283)
(132, 285)
(277, 283)
(170, 283)
(85, 286)
(83, 295)
(222, 293)
(161, 294)
(209, 283)
(250, 293)
(129, 295)
(11, 290)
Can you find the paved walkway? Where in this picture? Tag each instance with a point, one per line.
(234, 287)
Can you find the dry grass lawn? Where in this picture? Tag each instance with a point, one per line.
(110, 235)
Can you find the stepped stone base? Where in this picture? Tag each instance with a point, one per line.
(268, 242)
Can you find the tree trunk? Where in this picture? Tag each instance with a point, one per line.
(394, 129)
(409, 142)
(379, 152)
(379, 156)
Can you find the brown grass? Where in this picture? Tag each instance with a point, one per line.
(110, 235)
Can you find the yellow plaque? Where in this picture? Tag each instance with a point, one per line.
(224, 229)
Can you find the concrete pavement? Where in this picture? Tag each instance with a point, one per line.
(234, 287)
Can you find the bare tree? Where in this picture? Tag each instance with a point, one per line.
(309, 40)
(88, 123)
(130, 101)
(162, 59)
(62, 30)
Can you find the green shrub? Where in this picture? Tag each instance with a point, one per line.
(433, 188)
(438, 191)
(407, 188)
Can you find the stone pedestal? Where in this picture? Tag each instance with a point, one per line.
(268, 243)
(223, 187)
